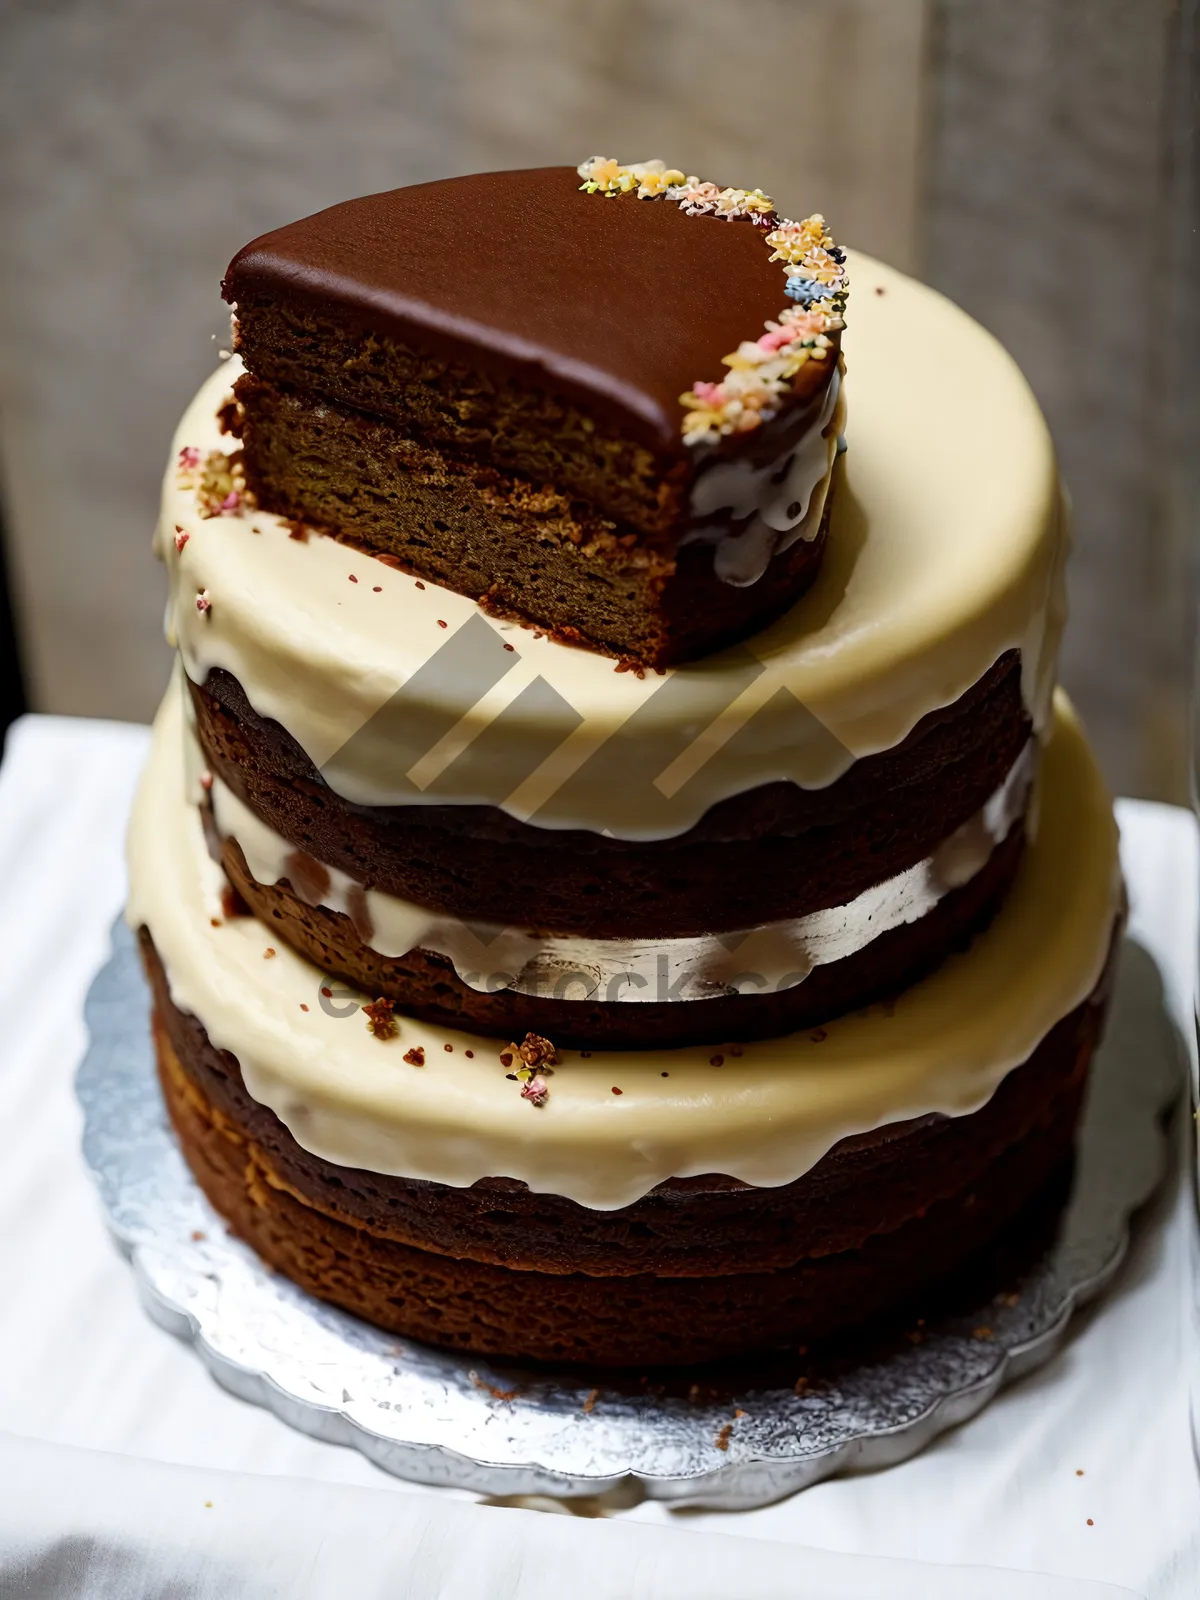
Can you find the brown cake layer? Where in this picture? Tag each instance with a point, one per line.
(425, 984)
(699, 1269)
(772, 853)
(482, 376)
(523, 548)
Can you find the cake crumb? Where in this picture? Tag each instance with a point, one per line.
(198, 1234)
(216, 921)
(298, 531)
(535, 1051)
(879, 289)
(589, 1405)
(800, 1385)
(380, 1020)
(1012, 1299)
(1091, 1524)
(420, 585)
(490, 1388)
(415, 1057)
(982, 1333)
(722, 1440)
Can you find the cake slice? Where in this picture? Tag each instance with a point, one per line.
(609, 407)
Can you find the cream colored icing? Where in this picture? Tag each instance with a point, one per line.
(946, 549)
(490, 957)
(786, 498)
(765, 1116)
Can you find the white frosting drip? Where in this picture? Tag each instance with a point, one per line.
(765, 1116)
(786, 497)
(945, 550)
(490, 957)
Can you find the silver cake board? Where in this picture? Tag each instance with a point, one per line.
(734, 1439)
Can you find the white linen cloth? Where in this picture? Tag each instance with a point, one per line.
(83, 1370)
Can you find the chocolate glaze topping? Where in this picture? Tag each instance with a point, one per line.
(618, 302)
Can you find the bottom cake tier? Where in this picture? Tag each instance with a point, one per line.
(658, 1207)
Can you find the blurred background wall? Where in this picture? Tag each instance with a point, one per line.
(1033, 158)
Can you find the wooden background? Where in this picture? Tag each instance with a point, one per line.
(1033, 158)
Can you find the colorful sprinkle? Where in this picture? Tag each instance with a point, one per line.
(536, 1090)
(762, 371)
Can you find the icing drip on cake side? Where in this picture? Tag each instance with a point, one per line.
(764, 1115)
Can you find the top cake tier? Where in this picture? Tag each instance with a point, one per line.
(610, 410)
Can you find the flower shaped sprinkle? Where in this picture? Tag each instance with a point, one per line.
(218, 479)
(762, 370)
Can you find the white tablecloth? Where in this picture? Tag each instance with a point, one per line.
(83, 1369)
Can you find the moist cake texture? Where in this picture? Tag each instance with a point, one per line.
(517, 389)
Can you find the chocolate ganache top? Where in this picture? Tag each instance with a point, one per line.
(620, 303)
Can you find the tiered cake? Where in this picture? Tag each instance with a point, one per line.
(570, 938)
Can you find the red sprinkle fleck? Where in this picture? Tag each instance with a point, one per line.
(716, 1061)
(818, 1035)
(415, 1057)
(510, 647)
(442, 624)
(203, 603)
(378, 589)
(616, 1090)
(506, 1058)
(353, 579)
(206, 780)
(879, 289)
(420, 585)
(1091, 1524)
(268, 952)
(181, 538)
(470, 1055)
(536, 1090)
(303, 1007)
(328, 993)
(449, 1048)
(664, 1074)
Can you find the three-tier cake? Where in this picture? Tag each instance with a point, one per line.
(617, 880)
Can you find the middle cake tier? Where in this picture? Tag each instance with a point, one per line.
(497, 832)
